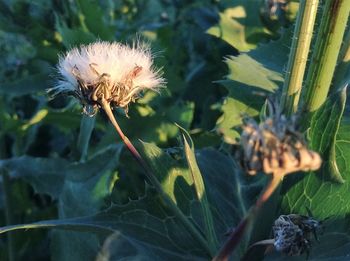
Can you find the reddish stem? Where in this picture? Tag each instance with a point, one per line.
(106, 107)
(238, 233)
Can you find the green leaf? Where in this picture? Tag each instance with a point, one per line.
(26, 85)
(230, 30)
(228, 190)
(200, 189)
(92, 15)
(45, 175)
(240, 26)
(145, 222)
(175, 179)
(325, 198)
(83, 195)
(251, 78)
(323, 131)
(72, 37)
(225, 187)
(48, 175)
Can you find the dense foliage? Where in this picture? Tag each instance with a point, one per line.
(79, 193)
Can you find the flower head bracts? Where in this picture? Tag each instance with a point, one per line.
(113, 71)
(274, 146)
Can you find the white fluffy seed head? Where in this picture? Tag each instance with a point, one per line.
(113, 71)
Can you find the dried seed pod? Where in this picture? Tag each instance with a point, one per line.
(292, 234)
(274, 146)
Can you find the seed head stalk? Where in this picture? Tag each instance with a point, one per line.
(237, 235)
(154, 181)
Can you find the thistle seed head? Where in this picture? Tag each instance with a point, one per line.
(112, 71)
(292, 234)
(275, 146)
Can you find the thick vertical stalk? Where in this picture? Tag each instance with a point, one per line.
(342, 72)
(298, 56)
(325, 55)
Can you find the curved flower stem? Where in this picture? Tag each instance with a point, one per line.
(154, 181)
(270, 188)
(238, 233)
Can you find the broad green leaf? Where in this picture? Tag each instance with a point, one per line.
(251, 78)
(145, 222)
(174, 177)
(325, 198)
(243, 67)
(66, 121)
(83, 195)
(230, 30)
(323, 131)
(44, 174)
(48, 175)
(26, 85)
(229, 194)
(75, 36)
(92, 16)
(241, 26)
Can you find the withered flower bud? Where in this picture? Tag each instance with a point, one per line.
(274, 146)
(292, 234)
(110, 71)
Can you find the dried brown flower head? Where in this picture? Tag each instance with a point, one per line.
(274, 146)
(292, 233)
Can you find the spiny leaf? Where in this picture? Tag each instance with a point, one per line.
(324, 197)
(26, 85)
(251, 78)
(145, 221)
(47, 175)
(323, 131)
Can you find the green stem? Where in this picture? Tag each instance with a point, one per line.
(6, 186)
(298, 56)
(87, 125)
(342, 72)
(154, 181)
(9, 216)
(325, 55)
